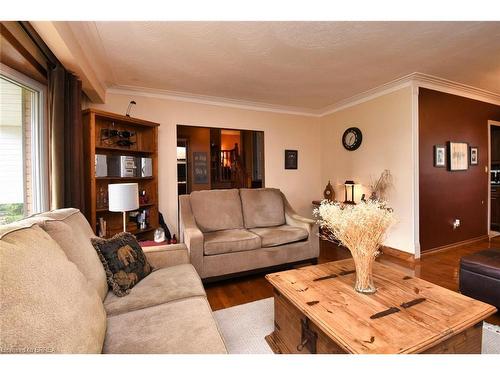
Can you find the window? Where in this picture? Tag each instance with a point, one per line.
(23, 161)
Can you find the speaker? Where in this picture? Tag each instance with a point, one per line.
(146, 167)
(101, 166)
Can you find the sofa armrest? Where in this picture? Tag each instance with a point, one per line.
(166, 255)
(191, 234)
(299, 221)
(294, 219)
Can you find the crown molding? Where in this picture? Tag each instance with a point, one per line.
(211, 100)
(365, 96)
(455, 88)
(415, 80)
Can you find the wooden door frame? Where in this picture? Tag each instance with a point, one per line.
(490, 124)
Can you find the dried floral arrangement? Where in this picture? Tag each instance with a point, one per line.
(362, 229)
(381, 187)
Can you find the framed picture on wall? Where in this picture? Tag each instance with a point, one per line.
(440, 156)
(291, 159)
(200, 167)
(474, 156)
(458, 156)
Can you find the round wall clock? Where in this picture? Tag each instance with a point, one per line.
(352, 139)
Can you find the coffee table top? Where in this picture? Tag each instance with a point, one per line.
(405, 315)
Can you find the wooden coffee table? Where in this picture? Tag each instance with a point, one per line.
(318, 311)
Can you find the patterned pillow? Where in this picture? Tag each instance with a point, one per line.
(123, 260)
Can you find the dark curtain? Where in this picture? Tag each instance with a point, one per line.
(66, 140)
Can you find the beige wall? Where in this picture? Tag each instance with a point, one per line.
(281, 131)
(386, 123)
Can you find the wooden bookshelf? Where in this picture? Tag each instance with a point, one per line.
(145, 143)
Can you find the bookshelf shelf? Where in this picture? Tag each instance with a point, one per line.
(123, 150)
(145, 143)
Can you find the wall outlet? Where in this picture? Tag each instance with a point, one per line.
(456, 223)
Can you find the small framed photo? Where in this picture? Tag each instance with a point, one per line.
(458, 156)
(474, 156)
(291, 159)
(440, 156)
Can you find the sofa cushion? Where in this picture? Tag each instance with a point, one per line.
(262, 207)
(275, 236)
(123, 260)
(69, 228)
(80, 251)
(217, 209)
(184, 326)
(47, 304)
(161, 286)
(71, 216)
(228, 241)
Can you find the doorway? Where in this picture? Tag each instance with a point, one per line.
(219, 158)
(494, 178)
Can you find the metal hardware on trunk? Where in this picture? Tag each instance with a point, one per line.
(308, 337)
(381, 314)
(412, 302)
(393, 310)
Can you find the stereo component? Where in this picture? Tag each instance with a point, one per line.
(122, 166)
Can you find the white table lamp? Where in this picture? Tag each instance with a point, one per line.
(123, 198)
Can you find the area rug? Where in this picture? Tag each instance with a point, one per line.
(245, 326)
(491, 339)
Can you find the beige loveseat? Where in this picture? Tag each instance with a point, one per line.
(233, 231)
(54, 297)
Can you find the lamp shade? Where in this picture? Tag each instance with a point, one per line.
(123, 197)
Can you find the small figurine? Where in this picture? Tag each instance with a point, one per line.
(159, 235)
(173, 240)
(143, 198)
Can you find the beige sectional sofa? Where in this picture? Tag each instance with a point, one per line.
(55, 299)
(234, 231)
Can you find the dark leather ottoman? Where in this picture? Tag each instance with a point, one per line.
(480, 276)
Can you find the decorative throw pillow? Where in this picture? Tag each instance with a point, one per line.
(123, 260)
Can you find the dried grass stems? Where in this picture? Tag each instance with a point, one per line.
(381, 187)
(361, 227)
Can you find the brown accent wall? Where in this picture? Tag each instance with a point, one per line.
(445, 196)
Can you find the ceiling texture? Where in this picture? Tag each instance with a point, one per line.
(306, 65)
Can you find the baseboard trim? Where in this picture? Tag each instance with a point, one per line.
(454, 245)
(396, 253)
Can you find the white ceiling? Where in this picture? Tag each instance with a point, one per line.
(307, 65)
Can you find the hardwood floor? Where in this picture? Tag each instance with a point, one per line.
(440, 268)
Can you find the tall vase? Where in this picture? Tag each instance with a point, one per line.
(364, 273)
